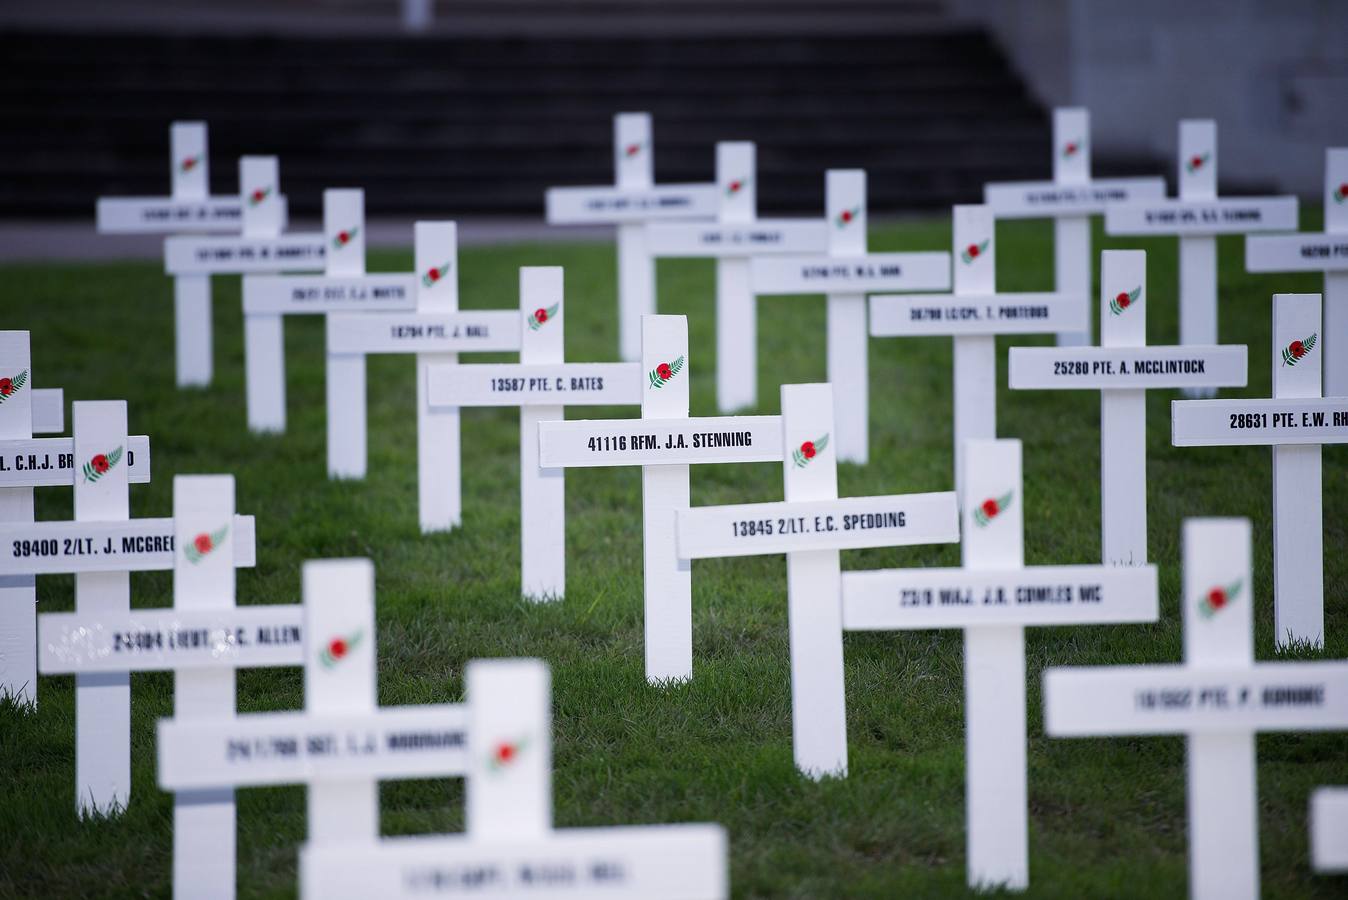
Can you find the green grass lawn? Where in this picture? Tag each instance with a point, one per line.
(1107, 817)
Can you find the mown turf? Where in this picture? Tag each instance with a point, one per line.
(1107, 816)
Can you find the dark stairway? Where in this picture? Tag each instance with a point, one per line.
(449, 125)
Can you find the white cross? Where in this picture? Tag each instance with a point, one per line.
(634, 201)
(1219, 698)
(664, 442)
(24, 411)
(436, 331)
(993, 598)
(847, 273)
(1325, 252)
(189, 209)
(974, 314)
(202, 639)
(102, 546)
(737, 235)
(1070, 199)
(1296, 421)
(344, 286)
(542, 385)
(1197, 216)
(811, 527)
(1329, 829)
(1123, 368)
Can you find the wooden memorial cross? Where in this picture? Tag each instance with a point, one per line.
(1329, 830)
(1326, 252)
(993, 598)
(189, 209)
(736, 236)
(1123, 368)
(1197, 216)
(261, 247)
(631, 203)
(664, 442)
(344, 286)
(811, 527)
(202, 639)
(847, 273)
(510, 847)
(1219, 698)
(24, 464)
(974, 314)
(1296, 421)
(436, 331)
(102, 546)
(542, 385)
(1070, 199)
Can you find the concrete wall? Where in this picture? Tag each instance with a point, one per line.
(1273, 73)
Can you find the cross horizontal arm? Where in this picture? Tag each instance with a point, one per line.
(1222, 423)
(320, 294)
(164, 215)
(148, 640)
(227, 254)
(955, 314)
(1232, 215)
(654, 442)
(761, 237)
(1296, 253)
(754, 529)
(1048, 199)
(465, 331)
(296, 747)
(605, 203)
(50, 462)
(869, 273)
(1126, 368)
(1121, 700)
(525, 384)
(904, 599)
(650, 862)
(133, 545)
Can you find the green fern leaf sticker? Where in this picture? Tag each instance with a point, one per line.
(11, 386)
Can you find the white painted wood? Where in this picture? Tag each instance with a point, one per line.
(1219, 698)
(48, 410)
(1048, 199)
(425, 333)
(847, 523)
(1197, 180)
(339, 680)
(203, 580)
(85, 546)
(1072, 234)
(848, 369)
(1123, 414)
(876, 273)
(1223, 215)
(814, 608)
(1222, 423)
(668, 579)
(161, 215)
(1122, 368)
(1325, 252)
(326, 294)
(542, 491)
(344, 225)
(264, 373)
(45, 462)
(1329, 829)
(993, 597)
(647, 862)
(736, 306)
(1295, 422)
(760, 237)
(537, 384)
(508, 791)
(190, 173)
(653, 441)
(227, 254)
(1298, 521)
(973, 314)
(439, 458)
(103, 700)
(18, 594)
(974, 379)
(996, 795)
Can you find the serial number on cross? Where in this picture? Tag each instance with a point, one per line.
(1287, 420)
(84, 546)
(817, 524)
(546, 385)
(700, 440)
